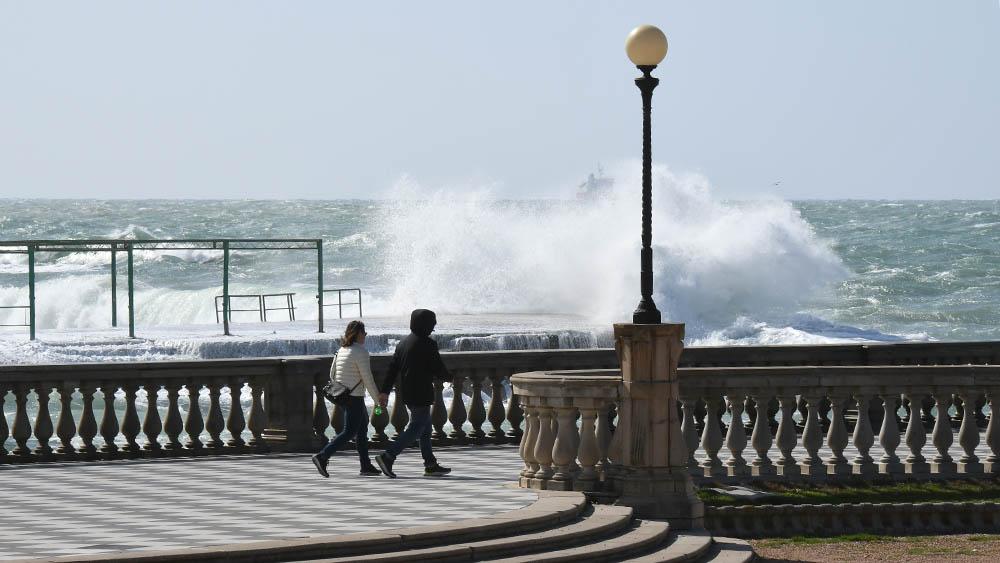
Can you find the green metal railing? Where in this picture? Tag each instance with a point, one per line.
(114, 246)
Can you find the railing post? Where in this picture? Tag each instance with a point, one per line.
(319, 283)
(31, 291)
(114, 285)
(651, 472)
(225, 287)
(131, 290)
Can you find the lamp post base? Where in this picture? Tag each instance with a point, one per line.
(646, 313)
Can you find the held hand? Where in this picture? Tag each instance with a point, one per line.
(383, 399)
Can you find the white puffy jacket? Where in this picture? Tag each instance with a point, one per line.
(353, 365)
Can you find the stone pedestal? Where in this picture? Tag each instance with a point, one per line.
(649, 452)
(289, 404)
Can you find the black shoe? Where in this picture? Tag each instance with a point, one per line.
(384, 462)
(320, 466)
(370, 470)
(436, 471)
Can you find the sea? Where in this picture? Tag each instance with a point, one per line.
(508, 274)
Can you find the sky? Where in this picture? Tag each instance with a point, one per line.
(896, 99)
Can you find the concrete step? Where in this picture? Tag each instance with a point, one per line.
(680, 547)
(596, 523)
(729, 550)
(639, 537)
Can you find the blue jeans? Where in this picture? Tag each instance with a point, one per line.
(419, 427)
(355, 425)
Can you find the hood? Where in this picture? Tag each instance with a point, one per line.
(422, 321)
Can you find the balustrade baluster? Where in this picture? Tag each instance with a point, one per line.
(992, 464)
(321, 414)
(888, 437)
(544, 443)
(968, 434)
(21, 431)
(690, 432)
(916, 437)
(495, 414)
(980, 415)
(194, 424)
(736, 436)
(477, 412)
(88, 422)
(380, 422)
(4, 429)
(529, 441)
(588, 453)
(786, 438)
(863, 438)
(761, 439)
(400, 417)
(130, 425)
(236, 422)
(109, 419)
(926, 404)
(151, 423)
(942, 463)
(700, 410)
(439, 414)
(65, 426)
(812, 438)
(825, 407)
(173, 425)
(215, 423)
(258, 416)
(711, 439)
(43, 422)
(565, 447)
(457, 414)
(515, 416)
(603, 438)
(836, 438)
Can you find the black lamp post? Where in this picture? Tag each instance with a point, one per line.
(646, 46)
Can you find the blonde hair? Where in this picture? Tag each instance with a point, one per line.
(354, 331)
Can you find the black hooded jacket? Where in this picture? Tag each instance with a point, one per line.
(416, 363)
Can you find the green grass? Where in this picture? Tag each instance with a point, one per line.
(858, 492)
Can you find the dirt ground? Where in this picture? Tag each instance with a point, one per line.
(975, 547)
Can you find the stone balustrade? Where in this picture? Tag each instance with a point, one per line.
(780, 433)
(283, 411)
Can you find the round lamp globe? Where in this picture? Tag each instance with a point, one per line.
(646, 45)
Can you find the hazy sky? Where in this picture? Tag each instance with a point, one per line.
(853, 98)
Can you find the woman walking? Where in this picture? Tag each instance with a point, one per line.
(352, 368)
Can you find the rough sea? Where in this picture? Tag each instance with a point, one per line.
(511, 274)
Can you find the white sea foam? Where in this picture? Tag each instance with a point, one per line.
(713, 260)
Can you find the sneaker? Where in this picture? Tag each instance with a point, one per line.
(384, 462)
(370, 470)
(320, 466)
(436, 471)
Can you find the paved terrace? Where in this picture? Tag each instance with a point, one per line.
(86, 508)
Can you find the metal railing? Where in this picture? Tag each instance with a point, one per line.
(289, 304)
(26, 309)
(340, 300)
(261, 309)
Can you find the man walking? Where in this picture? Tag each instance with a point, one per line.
(416, 363)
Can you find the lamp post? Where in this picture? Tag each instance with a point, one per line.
(646, 46)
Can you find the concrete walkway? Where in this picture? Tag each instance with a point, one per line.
(90, 508)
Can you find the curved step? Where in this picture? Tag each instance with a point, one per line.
(689, 546)
(550, 510)
(730, 550)
(641, 535)
(597, 523)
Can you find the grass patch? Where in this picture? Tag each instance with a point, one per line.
(811, 540)
(983, 537)
(860, 491)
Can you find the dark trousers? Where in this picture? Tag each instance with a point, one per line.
(355, 425)
(418, 428)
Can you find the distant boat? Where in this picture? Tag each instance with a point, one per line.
(595, 187)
